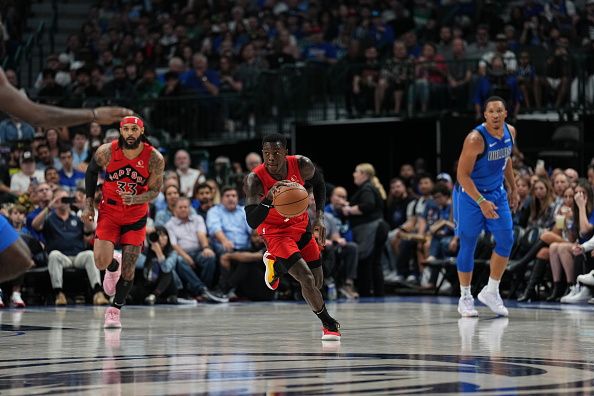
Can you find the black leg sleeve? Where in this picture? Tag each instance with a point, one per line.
(123, 288)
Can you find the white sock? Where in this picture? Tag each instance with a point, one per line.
(465, 291)
(493, 285)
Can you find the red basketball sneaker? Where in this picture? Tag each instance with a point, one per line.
(331, 335)
(270, 277)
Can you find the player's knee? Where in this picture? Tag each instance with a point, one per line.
(319, 279)
(102, 260)
(465, 260)
(319, 283)
(307, 280)
(504, 240)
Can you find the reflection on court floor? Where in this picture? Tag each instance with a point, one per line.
(389, 346)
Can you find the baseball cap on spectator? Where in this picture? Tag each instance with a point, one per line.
(280, 8)
(52, 57)
(110, 135)
(222, 160)
(500, 37)
(64, 58)
(27, 156)
(77, 65)
(444, 177)
(375, 14)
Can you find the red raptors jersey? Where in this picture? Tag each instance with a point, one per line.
(275, 222)
(127, 175)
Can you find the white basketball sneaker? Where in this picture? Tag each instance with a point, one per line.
(466, 307)
(582, 294)
(573, 290)
(586, 279)
(493, 301)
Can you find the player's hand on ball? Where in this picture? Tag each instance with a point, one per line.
(274, 189)
(489, 210)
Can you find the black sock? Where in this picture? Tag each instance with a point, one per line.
(97, 288)
(58, 290)
(113, 267)
(122, 289)
(328, 321)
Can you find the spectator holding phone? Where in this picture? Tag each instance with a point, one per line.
(64, 234)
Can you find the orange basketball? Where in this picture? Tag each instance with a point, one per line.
(291, 201)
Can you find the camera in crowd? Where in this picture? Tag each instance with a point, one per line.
(153, 237)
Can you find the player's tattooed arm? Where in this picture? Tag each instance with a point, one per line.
(100, 160)
(155, 181)
(103, 155)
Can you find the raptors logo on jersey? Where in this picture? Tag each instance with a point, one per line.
(127, 172)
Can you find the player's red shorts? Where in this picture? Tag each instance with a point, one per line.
(285, 247)
(115, 224)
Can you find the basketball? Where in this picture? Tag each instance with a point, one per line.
(291, 201)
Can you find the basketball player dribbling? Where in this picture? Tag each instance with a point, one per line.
(481, 202)
(291, 247)
(15, 256)
(133, 178)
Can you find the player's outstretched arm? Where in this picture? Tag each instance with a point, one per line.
(15, 103)
(155, 181)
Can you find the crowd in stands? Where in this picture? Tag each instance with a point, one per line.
(199, 246)
(378, 56)
(392, 55)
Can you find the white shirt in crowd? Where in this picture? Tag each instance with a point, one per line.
(188, 179)
(185, 232)
(19, 182)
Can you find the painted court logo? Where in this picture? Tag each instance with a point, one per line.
(301, 373)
